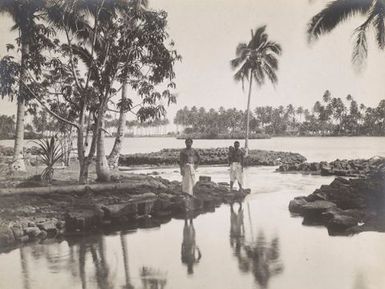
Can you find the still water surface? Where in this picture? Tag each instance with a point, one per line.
(257, 246)
(313, 148)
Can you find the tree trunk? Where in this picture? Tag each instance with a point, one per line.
(113, 158)
(83, 175)
(102, 168)
(18, 163)
(83, 161)
(248, 116)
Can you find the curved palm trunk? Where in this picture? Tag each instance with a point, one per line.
(248, 117)
(113, 158)
(18, 163)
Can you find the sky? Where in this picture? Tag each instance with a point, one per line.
(206, 33)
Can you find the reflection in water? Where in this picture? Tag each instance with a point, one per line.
(190, 252)
(153, 279)
(260, 257)
(123, 243)
(237, 231)
(93, 246)
(24, 268)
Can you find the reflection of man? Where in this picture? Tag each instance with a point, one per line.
(236, 157)
(188, 161)
(236, 227)
(190, 252)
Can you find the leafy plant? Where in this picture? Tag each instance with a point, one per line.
(50, 154)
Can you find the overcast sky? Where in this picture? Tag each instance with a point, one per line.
(206, 33)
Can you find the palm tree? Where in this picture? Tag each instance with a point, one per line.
(338, 11)
(24, 14)
(256, 60)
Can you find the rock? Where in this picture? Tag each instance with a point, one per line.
(339, 224)
(343, 204)
(24, 239)
(210, 157)
(83, 220)
(119, 210)
(60, 225)
(7, 237)
(204, 179)
(49, 227)
(18, 231)
(32, 232)
(296, 205)
(317, 207)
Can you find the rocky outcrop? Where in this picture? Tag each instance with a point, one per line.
(345, 168)
(147, 201)
(345, 206)
(215, 156)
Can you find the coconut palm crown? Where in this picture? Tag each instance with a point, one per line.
(338, 11)
(256, 60)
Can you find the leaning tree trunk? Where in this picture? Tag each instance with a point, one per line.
(113, 158)
(18, 163)
(102, 168)
(248, 117)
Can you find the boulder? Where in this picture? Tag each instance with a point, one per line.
(32, 232)
(119, 210)
(7, 237)
(339, 224)
(83, 220)
(296, 205)
(18, 231)
(316, 208)
(204, 179)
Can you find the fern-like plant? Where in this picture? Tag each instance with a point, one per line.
(50, 154)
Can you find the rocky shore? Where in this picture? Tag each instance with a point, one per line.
(213, 156)
(36, 214)
(346, 206)
(234, 136)
(345, 168)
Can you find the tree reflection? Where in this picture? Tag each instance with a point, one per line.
(153, 279)
(24, 268)
(123, 243)
(260, 257)
(190, 253)
(264, 257)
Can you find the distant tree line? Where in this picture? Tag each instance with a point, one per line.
(332, 116)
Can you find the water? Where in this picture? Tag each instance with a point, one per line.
(313, 148)
(276, 251)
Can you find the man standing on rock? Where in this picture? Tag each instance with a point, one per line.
(236, 157)
(188, 161)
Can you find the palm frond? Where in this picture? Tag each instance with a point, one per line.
(360, 49)
(271, 60)
(335, 13)
(240, 48)
(234, 63)
(270, 72)
(274, 47)
(258, 75)
(259, 37)
(378, 12)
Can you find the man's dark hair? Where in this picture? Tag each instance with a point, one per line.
(187, 139)
(236, 142)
